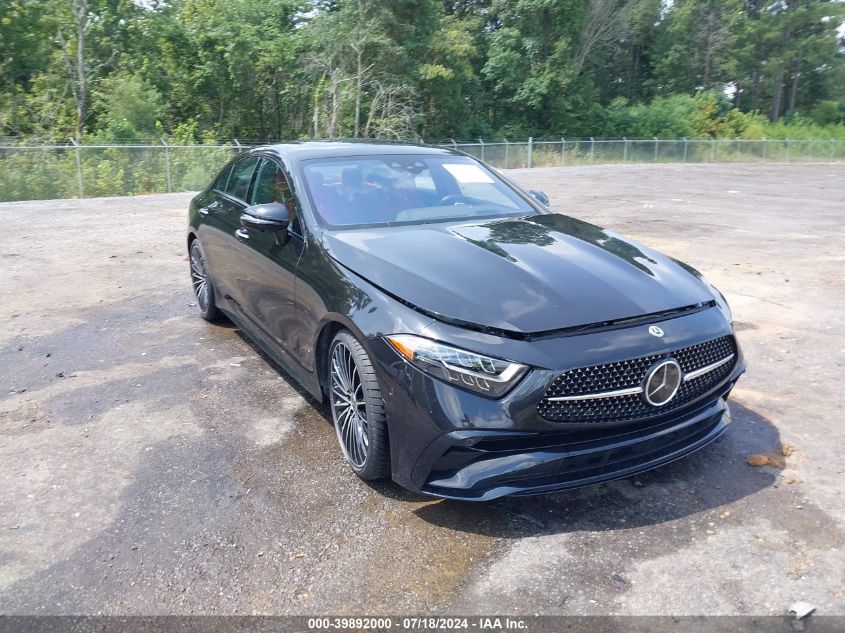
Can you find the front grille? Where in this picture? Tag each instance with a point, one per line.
(630, 373)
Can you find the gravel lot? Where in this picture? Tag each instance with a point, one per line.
(155, 464)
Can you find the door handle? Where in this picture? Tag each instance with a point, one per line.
(242, 234)
(209, 208)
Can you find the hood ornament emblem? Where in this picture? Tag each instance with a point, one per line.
(655, 331)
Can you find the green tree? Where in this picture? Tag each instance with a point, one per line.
(129, 108)
(695, 48)
(268, 69)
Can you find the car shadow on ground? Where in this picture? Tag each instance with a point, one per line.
(715, 476)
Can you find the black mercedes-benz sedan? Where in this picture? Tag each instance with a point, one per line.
(469, 342)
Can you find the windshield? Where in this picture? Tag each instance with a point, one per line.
(407, 189)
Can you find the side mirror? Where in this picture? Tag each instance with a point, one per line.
(271, 217)
(539, 196)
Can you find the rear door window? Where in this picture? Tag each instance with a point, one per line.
(222, 179)
(241, 177)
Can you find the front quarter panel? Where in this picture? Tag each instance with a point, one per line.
(329, 293)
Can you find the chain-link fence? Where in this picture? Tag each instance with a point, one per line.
(41, 172)
(545, 153)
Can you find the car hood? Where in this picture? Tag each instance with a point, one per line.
(523, 275)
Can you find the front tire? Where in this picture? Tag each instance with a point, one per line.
(357, 408)
(201, 282)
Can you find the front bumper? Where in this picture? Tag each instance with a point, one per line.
(481, 466)
(450, 443)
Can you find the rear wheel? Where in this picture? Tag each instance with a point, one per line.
(201, 283)
(357, 408)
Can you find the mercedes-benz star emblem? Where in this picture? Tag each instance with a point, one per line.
(655, 331)
(662, 382)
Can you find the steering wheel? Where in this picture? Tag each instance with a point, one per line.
(453, 199)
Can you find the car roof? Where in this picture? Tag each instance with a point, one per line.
(305, 150)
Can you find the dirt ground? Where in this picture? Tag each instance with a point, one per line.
(153, 463)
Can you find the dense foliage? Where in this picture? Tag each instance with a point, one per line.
(203, 70)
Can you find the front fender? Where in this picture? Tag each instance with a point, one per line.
(329, 295)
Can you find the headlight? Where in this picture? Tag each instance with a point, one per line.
(491, 377)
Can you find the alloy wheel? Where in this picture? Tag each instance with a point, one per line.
(348, 406)
(199, 278)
